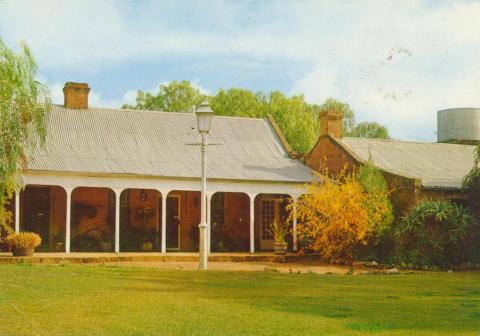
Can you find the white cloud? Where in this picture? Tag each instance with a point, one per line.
(401, 73)
(356, 50)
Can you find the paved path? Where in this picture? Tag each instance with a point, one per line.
(239, 266)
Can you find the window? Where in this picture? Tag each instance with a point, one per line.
(268, 216)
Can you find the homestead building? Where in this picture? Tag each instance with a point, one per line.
(413, 170)
(127, 180)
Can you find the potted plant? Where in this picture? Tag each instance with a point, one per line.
(23, 243)
(107, 244)
(279, 231)
(59, 246)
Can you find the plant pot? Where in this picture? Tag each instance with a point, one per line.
(147, 246)
(280, 248)
(23, 251)
(59, 247)
(106, 246)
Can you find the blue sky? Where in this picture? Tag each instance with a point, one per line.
(395, 62)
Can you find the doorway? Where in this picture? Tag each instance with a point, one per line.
(173, 223)
(36, 213)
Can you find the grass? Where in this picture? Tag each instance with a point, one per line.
(99, 300)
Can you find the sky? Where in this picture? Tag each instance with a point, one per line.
(393, 62)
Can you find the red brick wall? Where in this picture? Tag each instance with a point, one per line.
(327, 153)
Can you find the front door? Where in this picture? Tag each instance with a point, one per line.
(36, 215)
(270, 213)
(173, 222)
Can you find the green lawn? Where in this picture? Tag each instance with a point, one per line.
(96, 300)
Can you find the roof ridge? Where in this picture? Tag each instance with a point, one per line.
(406, 141)
(158, 112)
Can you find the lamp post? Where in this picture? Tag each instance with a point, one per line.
(204, 120)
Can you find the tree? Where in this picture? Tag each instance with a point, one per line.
(369, 130)
(348, 115)
(173, 97)
(297, 119)
(24, 106)
(239, 102)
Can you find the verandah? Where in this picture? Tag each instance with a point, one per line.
(106, 219)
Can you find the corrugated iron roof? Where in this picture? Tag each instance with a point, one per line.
(110, 141)
(437, 165)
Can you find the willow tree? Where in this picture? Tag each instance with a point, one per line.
(24, 105)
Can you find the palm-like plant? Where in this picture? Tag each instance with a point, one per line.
(433, 232)
(279, 231)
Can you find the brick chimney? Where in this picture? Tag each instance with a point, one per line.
(331, 123)
(76, 95)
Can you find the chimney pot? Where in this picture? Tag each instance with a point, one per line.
(76, 95)
(331, 123)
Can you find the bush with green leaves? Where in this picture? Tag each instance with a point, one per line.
(471, 185)
(434, 232)
(379, 245)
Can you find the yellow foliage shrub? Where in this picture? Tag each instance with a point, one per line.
(23, 240)
(336, 215)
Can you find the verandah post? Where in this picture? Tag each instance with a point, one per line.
(252, 223)
(68, 216)
(117, 220)
(164, 222)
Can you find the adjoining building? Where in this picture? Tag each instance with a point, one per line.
(128, 180)
(413, 170)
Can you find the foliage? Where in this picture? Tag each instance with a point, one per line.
(173, 97)
(434, 233)
(380, 211)
(23, 240)
(5, 223)
(348, 115)
(297, 119)
(239, 103)
(333, 217)
(279, 231)
(24, 105)
(369, 130)
(471, 184)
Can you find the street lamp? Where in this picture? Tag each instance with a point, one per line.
(204, 121)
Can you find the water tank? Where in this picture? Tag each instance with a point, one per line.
(462, 124)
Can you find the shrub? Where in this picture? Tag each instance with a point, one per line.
(471, 184)
(333, 218)
(434, 232)
(23, 240)
(380, 213)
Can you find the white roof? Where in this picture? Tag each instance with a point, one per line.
(111, 141)
(437, 165)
